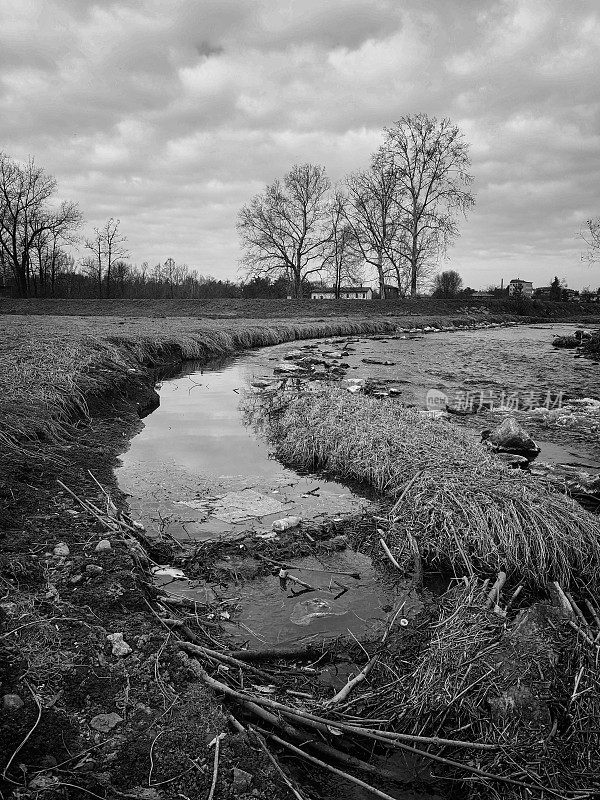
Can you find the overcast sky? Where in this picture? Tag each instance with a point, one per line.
(170, 114)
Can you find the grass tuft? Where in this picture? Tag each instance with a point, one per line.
(465, 509)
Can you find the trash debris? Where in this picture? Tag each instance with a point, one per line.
(286, 523)
(169, 572)
(306, 611)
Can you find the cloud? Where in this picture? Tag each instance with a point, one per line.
(170, 116)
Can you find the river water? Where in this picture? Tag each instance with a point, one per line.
(197, 472)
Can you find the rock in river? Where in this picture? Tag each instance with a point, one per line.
(509, 437)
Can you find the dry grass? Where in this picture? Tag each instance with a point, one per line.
(51, 367)
(463, 507)
(532, 689)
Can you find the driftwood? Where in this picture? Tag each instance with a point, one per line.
(285, 565)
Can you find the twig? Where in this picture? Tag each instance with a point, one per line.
(199, 650)
(329, 768)
(386, 550)
(285, 565)
(345, 690)
(276, 764)
(493, 598)
(215, 767)
(23, 743)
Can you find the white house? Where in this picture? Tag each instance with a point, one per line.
(520, 287)
(346, 293)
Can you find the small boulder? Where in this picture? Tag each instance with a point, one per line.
(103, 546)
(119, 645)
(105, 722)
(61, 550)
(509, 437)
(93, 569)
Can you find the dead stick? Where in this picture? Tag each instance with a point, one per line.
(563, 599)
(268, 655)
(329, 768)
(577, 610)
(311, 718)
(111, 526)
(345, 690)
(285, 565)
(199, 650)
(493, 598)
(594, 613)
(276, 764)
(215, 768)
(404, 492)
(583, 634)
(513, 597)
(386, 550)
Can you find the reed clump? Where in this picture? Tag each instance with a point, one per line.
(530, 687)
(464, 508)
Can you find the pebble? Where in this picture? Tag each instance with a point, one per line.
(12, 702)
(61, 550)
(93, 569)
(103, 546)
(119, 645)
(105, 722)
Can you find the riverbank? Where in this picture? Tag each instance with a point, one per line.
(71, 392)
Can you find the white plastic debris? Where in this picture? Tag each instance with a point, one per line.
(119, 645)
(169, 572)
(286, 523)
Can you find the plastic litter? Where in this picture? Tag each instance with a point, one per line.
(286, 523)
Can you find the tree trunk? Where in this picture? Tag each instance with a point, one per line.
(381, 276)
(414, 259)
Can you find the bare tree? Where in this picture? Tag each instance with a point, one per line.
(591, 236)
(27, 214)
(372, 213)
(342, 260)
(108, 246)
(284, 229)
(432, 161)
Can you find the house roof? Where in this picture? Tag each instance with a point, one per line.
(327, 289)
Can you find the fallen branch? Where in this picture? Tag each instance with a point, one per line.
(329, 768)
(293, 789)
(200, 650)
(285, 565)
(274, 654)
(345, 690)
(307, 718)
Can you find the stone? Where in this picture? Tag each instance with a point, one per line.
(12, 702)
(241, 779)
(61, 550)
(119, 645)
(93, 569)
(509, 437)
(103, 546)
(105, 722)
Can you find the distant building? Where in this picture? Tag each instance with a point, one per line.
(520, 287)
(391, 292)
(569, 294)
(346, 293)
(543, 292)
(482, 296)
